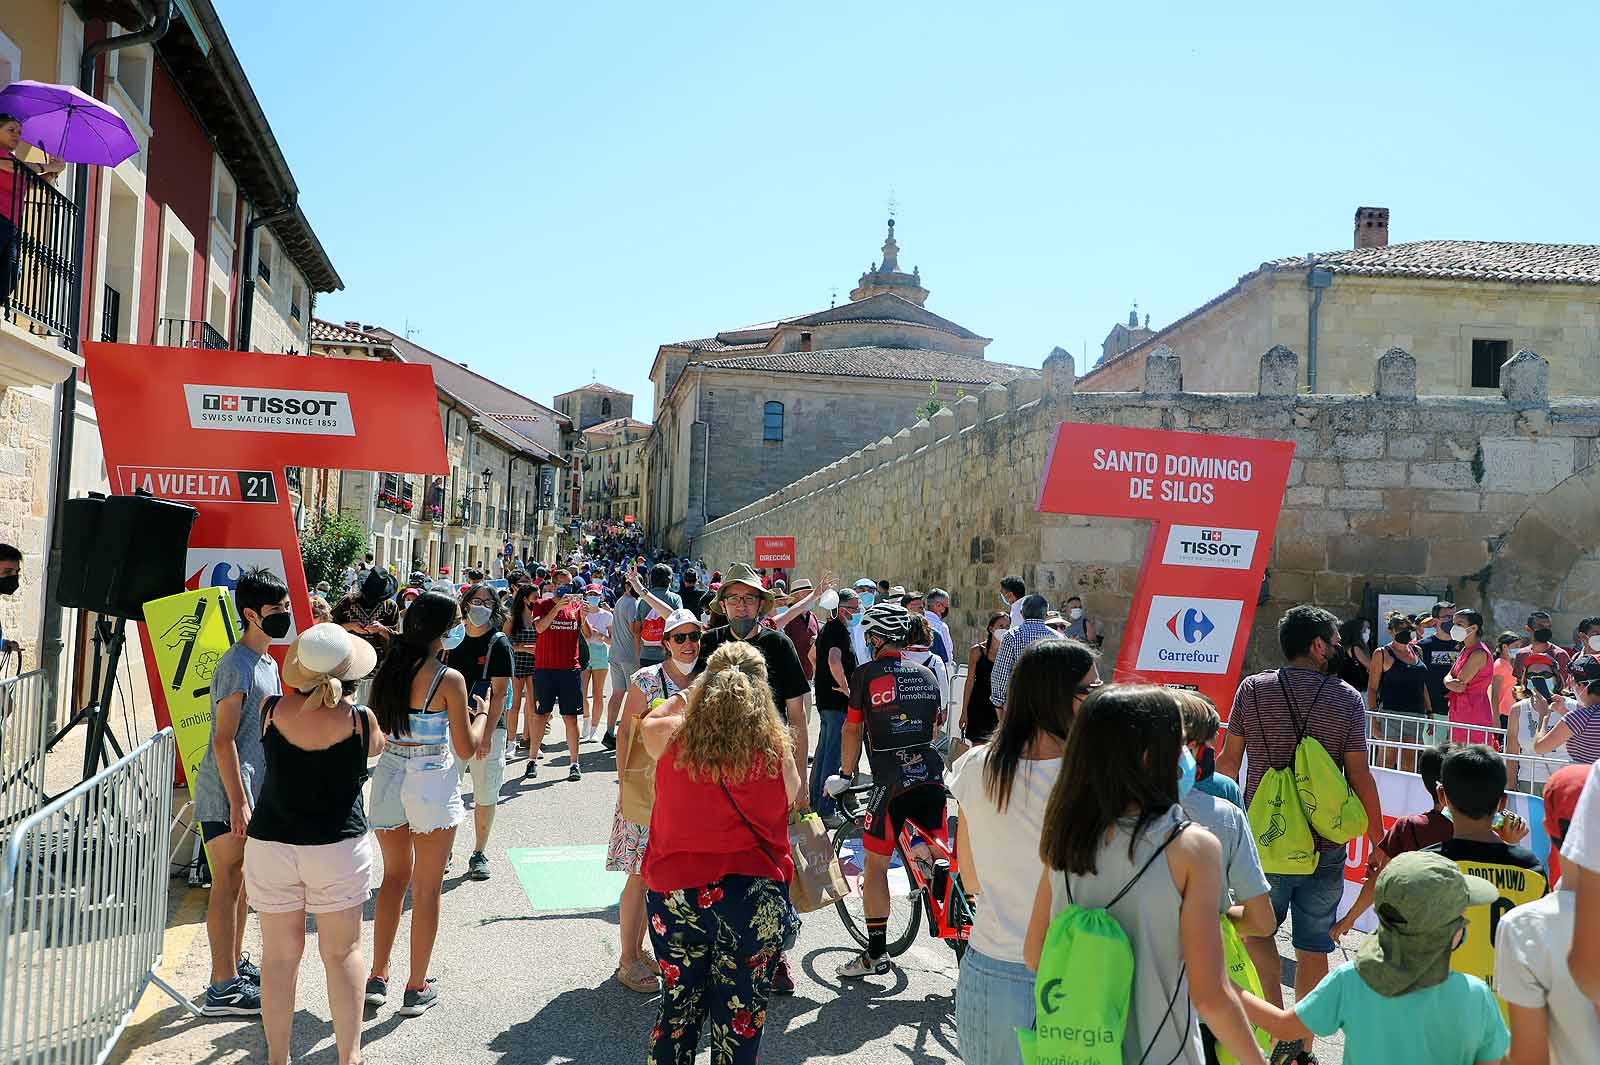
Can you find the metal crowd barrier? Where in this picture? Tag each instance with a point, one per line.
(83, 906)
(24, 727)
(1393, 741)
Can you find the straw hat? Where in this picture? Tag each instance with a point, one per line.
(325, 651)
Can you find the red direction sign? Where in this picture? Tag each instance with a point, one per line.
(1213, 504)
(774, 551)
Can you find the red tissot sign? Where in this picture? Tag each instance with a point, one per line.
(217, 428)
(774, 551)
(1213, 504)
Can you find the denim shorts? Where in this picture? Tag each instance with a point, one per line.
(993, 999)
(420, 792)
(1313, 899)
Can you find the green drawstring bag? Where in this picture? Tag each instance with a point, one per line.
(1084, 983)
(1242, 971)
(1330, 803)
(1279, 825)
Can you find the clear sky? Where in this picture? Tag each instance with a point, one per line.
(552, 196)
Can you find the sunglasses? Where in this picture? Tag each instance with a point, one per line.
(684, 637)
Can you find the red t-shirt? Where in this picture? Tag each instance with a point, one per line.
(557, 646)
(1415, 832)
(697, 837)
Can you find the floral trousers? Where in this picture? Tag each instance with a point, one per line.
(718, 946)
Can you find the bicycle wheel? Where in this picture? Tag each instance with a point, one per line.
(905, 906)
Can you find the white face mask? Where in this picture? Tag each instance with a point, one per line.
(1458, 633)
(1075, 613)
(1594, 643)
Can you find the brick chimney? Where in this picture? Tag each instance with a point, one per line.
(1372, 227)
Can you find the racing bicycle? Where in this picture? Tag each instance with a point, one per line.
(931, 870)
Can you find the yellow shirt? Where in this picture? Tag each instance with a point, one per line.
(1516, 873)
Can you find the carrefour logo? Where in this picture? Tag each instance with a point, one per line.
(269, 410)
(1209, 548)
(1188, 634)
(1190, 626)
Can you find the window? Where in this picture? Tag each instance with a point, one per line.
(297, 300)
(1487, 357)
(224, 200)
(772, 422)
(132, 75)
(264, 259)
(605, 408)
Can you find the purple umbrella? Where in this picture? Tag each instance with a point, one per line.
(68, 123)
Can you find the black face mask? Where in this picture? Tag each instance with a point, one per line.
(1542, 635)
(276, 625)
(1335, 660)
(1404, 636)
(8, 585)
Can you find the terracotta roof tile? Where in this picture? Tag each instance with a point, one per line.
(329, 333)
(1472, 260)
(889, 364)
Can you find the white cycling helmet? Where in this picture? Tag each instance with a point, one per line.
(889, 622)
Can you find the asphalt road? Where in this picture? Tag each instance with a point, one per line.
(522, 983)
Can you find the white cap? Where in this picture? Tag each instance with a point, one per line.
(681, 617)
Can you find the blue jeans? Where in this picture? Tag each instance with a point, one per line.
(1313, 898)
(830, 749)
(993, 999)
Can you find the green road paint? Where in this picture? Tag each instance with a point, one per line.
(566, 878)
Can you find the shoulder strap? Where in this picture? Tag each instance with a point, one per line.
(778, 869)
(1300, 724)
(433, 687)
(267, 706)
(1176, 831)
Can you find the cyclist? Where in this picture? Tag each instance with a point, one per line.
(895, 703)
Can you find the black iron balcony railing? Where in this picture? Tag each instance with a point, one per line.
(188, 333)
(36, 267)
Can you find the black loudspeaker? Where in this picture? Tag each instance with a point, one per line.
(126, 551)
(80, 527)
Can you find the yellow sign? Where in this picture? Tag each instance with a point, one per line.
(189, 634)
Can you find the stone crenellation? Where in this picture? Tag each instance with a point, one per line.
(1487, 500)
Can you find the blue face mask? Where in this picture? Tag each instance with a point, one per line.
(453, 638)
(867, 599)
(593, 600)
(1186, 767)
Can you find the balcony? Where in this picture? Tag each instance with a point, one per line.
(40, 322)
(187, 333)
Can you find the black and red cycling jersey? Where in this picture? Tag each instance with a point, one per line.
(897, 702)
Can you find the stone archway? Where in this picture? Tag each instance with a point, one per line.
(1548, 560)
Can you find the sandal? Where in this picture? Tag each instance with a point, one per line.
(639, 979)
(651, 963)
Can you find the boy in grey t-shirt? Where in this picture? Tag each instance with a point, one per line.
(228, 782)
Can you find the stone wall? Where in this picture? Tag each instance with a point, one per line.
(1490, 500)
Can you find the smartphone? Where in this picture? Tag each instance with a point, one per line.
(480, 690)
(1541, 684)
(565, 589)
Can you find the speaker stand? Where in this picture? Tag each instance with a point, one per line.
(95, 716)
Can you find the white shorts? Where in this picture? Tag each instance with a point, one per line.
(421, 793)
(490, 772)
(287, 877)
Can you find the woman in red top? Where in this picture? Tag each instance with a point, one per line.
(11, 196)
(717, 869)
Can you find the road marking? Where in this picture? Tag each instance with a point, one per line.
(566, 878)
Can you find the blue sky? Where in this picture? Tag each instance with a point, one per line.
(551, 198)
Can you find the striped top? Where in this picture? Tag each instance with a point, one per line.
(428, 728)
(1584, 745)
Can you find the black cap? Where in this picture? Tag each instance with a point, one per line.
(1585, 669)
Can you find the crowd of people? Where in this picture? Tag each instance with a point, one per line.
(1072, 796)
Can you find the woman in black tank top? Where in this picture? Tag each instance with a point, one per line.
(307, 849)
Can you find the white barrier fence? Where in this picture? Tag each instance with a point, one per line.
(24, 728)
(83, 906)
(1394, 740)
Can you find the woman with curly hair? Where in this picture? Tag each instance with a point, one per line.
(717, 869)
